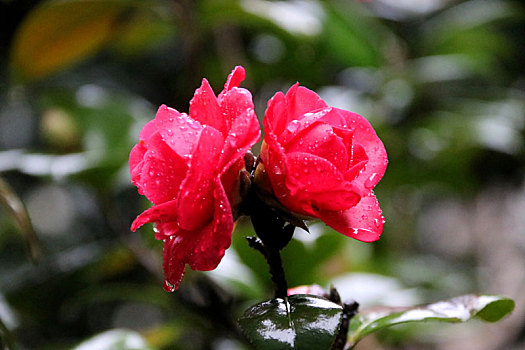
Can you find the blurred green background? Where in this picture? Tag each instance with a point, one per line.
(441, 81)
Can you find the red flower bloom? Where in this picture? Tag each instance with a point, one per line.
(323, 162)
(188, 166)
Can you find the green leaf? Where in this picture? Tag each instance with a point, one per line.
(490, 308)
(298, 322)
(60, 33)
(351, 36)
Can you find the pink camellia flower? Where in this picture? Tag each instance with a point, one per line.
(323, 162)
(188, 166)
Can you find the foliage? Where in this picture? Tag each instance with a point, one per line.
(442, 85)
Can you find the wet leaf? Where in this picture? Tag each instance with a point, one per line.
(490, 308)
(298, 322)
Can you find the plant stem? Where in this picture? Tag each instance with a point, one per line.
(277, 272)
(273, 259)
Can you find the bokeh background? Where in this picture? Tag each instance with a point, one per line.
(441, 81)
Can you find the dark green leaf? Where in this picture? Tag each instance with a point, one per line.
(298, 322)
(490, 308)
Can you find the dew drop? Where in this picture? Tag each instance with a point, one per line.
(194, 126)
(369, 183)
(293, 126)
(168, 287)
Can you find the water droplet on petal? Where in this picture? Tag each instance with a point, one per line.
(293, 126)
(369, 183)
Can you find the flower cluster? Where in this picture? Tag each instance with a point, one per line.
(316, 162)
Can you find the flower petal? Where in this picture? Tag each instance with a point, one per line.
(300, 101)
(216, 237)
(205, 109)
(162, 171)
(320, 140)
(164, 212)
(136, 163)
(195, 204)
(365, 136)
(363, 222)
(149, 129)
(309, 190)
(175, 250)
(202, 249)
(235, 78)
(275, 118)
(236, 103)
(178, 130)
(244, 132)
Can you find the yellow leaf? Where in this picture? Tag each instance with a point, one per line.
(58, 34)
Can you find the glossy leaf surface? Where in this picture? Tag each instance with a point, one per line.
(299, 322)
(490, 308)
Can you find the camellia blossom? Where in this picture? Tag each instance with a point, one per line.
(322, 162)
(188, 166)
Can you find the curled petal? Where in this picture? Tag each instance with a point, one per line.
(275, 119)
(175, 250)
(162, 171)
(195, 206)
(216, 237)
(309, 189)
(202, 249)
(205, 109)
(179, 131)
(300, 101)
(365, 136)
(244, 132)
(136, 163)
(320, 140)
(235, 78)
(164, 212)
(149, 129)
(309, 172)
(235, 103)
(363, 222)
